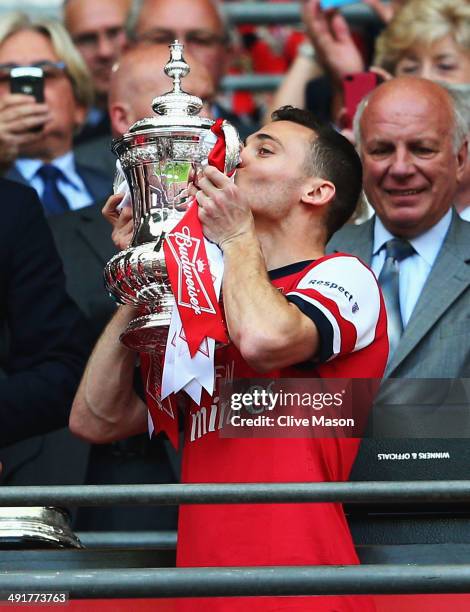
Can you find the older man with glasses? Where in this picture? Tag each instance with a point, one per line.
(99, 33)
(201, 27)
(36, 131)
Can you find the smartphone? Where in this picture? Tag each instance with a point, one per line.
(332, 4)
(28, 80)
(355, 87)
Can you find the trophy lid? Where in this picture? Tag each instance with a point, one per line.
(175, 107)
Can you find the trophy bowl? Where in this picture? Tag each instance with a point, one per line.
(159, 158)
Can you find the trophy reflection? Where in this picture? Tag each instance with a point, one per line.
(159, 157)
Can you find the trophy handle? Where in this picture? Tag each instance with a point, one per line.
(232, 147)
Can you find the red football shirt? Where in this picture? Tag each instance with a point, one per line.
(341, 296)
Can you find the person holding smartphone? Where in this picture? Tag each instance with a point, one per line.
(45, 91)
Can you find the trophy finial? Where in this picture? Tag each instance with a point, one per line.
(177, 102)
(176, 68)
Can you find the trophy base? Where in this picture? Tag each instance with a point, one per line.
(147, 334)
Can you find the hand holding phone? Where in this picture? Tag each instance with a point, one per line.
(23, 113)
(355, 88)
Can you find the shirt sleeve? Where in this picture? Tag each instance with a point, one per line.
(342, 297)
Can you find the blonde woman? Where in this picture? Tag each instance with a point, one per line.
(428, 38)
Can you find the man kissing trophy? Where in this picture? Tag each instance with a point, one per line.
(170, 272)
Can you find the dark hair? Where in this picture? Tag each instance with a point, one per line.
(332, 157)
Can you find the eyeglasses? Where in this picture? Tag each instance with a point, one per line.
(50, 70)
(91, 40)
(199, 38)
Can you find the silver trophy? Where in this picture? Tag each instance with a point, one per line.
(159, 157)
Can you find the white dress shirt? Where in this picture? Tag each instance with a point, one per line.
(71, 185)
(465, 214)
(414, 270)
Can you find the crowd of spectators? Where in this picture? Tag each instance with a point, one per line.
(101, 66)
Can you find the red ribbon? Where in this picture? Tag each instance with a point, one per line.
(216, 157)
(164, 413)
(189, 272)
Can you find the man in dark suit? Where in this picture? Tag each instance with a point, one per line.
(412, 140)
(36, 138)
(43, 343)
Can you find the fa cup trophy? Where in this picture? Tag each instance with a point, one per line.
(160, 157)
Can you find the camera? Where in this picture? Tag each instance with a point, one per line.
(28, 80)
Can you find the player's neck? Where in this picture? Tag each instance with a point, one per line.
(281, 249)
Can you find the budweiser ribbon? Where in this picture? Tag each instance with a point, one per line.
(195, 271)
(191, 281)
(181, 371)
(188, 269)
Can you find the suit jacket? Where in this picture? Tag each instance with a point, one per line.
(91, 131)
(42, 334)
(97, 149)
(432, 344)
(435, 345)
(98, 183)
(83, 239)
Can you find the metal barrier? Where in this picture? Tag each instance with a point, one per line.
(239, 581)
(161, 540)
(288, 12)
(243, 581)
(129, 495)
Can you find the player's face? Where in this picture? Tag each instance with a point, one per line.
(411, 171)
(272, 171)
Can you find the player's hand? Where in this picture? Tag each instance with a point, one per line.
(22, 122)
(332, 39)
(223, 211)
(121, 221)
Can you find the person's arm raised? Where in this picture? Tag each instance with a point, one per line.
(106, 407)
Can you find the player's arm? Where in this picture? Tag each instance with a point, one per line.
(269, 331)
(106, 407)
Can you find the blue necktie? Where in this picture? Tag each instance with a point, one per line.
(53, 200)
(396, 250)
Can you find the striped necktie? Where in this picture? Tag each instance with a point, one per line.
(396, 250)
(52, 199)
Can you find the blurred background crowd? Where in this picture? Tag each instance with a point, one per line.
(100, 65)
